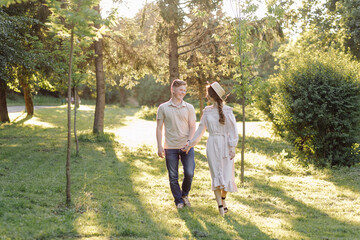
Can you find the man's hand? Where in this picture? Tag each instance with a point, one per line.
(161, 152)
(185, 147)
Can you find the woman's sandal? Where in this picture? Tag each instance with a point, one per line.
(225, 208)
(221, 210)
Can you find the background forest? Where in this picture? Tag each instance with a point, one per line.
(290, 68)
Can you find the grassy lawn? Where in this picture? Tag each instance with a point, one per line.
(120, 187)
(40, 100)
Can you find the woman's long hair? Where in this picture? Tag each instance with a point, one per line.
(219, 101)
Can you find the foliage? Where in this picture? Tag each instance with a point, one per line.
(211, 59)
(12, 50)
(96, 138)
(147, 113)
(350, 20)
(251, 113)
(114, 186)
(129, 54)
(316, 106)
(253, 38)
(78, 16)
(40, 66)
(327, 23)
(151, 93)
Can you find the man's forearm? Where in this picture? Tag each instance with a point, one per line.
(192, 131)
(159, 138)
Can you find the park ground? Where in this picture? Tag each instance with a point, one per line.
(120, 187)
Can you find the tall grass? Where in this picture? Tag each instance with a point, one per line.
(122, 192)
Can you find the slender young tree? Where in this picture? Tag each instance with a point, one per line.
(68, 155)
(260, 33)
(73, 19)
(76, 104)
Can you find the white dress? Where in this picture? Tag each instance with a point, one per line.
(222, 139)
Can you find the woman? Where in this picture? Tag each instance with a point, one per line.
(219, 120)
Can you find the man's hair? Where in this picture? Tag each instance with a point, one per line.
(178, 83)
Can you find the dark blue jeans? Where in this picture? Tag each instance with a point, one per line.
(172, 157)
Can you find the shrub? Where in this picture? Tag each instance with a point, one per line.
(316, 105)
(147, 113)
(96, 138)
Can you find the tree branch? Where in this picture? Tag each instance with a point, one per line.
(186, 29)
(193, 41)
(196, 47)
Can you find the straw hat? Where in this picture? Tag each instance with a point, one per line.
(218, 89)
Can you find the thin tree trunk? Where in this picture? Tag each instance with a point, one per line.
(75, 107)
(4, 115)
(201, 97)
(243, 138)
(29, 105)
(173, 54)
(243, 107)
(100, 84)
(68, 180)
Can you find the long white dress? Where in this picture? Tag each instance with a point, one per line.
(222, 139)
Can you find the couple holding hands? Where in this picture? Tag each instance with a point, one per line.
(179, 120)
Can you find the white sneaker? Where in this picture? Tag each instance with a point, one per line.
(180, 205)
(186, 201)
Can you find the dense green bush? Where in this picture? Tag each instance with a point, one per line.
(316, 105)
(147, 113)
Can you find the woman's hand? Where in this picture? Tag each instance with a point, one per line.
(232, 154)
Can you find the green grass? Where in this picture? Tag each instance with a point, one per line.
(41, 100)
(120, 188)
(38, 100)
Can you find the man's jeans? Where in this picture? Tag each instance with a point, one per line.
(172, 157)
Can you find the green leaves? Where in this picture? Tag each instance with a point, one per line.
(316, 105)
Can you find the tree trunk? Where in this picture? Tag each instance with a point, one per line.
(173, 54)
(201, 97)
(4, 115)
(243, 96)
(68, 182)
(100, 84)
(76, 105)
(243, 138)
(29, 105)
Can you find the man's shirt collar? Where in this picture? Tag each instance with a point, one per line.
(182, 104)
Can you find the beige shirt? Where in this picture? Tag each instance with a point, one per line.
(176, 121)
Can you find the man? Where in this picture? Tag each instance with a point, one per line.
(179, 120)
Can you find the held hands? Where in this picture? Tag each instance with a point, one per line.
(186, 148)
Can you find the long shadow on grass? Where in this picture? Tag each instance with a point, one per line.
(32, 163)
(109, 193)
(346, 177)
(193, 223)
(306, 220)
(196, 221)
(32, 183)
(343, 177)
(265, 146)
(245, 230)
